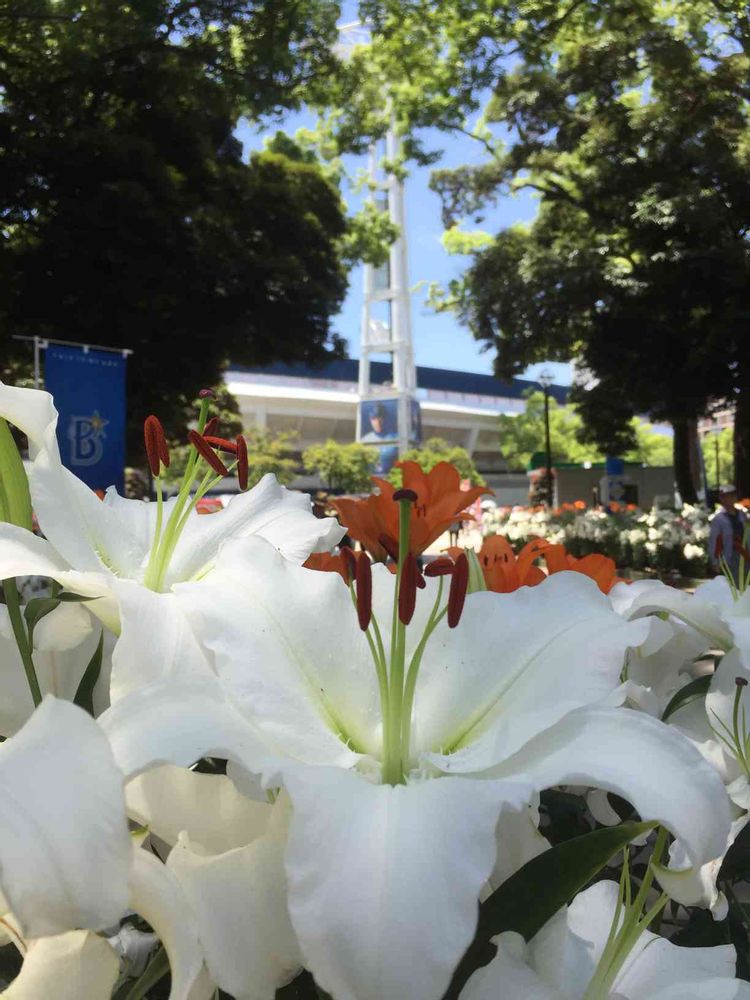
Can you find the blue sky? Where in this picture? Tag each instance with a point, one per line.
(439, 340)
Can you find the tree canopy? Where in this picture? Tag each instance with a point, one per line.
(522, 434)
(130, 217)
(342, 468)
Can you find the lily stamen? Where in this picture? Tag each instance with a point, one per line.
(363, 579)
(207, 453)
(242, 464)
(222, 444)
(457, 592)
(407, 592)
(156, 445)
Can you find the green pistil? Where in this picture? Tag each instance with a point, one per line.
(628, 924)
(736, 739)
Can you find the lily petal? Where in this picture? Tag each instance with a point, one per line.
(269, 510)
(156, 640)
(239, 900)
(307, 690)
(488, 702)
(208, 807)
(178, 722)
(67, 967)
(398, 872)
(156, 895)
(621, 750)
(59, 785)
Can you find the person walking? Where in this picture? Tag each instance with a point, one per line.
(727, 534)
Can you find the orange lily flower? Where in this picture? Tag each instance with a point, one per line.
(601, 569)
(503, 570)
(440, 501)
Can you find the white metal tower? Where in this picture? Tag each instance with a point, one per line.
(386, 311)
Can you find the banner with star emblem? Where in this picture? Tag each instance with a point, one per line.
(89, 391)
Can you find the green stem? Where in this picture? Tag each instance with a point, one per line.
(22, 640)
(413, 672)
(395, 766)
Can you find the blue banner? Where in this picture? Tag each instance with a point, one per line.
(89, 391)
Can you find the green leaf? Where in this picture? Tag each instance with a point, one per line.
(15, 501)
(71, 598)
(156, 969)
(527, 900)
(85, 694)
(38, 608)
(695, 689)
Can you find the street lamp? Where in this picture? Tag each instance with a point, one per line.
(545, 381)
(716, 431)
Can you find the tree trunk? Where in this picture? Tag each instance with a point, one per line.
(683, 462)
(742, 434)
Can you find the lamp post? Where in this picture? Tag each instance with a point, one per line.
(545, 381)
(716, 430)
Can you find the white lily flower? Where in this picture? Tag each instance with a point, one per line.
(384, 877)
(127, 553)
(732, 607)
(559, 963)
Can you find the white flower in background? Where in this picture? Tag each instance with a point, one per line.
(564, 962)
(465, 727)
(129, 554)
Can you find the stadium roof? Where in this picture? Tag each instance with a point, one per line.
(443, 379)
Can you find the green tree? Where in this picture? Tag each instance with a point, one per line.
(271, 453)
(631, 123)
(724, 472)
(436, 450)
(522, 435)
(129, 216)
(342, 467)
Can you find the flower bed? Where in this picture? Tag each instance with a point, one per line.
(659, 540)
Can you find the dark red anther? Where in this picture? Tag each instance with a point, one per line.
(242, 467)
(404, 494)
(741, 682)
(206, 394)
(156, 444)
(457, 593)
(421, 584)
(212, 427)
(407, 591)
(350, 562)
(206, 452)
(364, 590)
(221, 443)
(390, 545)
(442, 566)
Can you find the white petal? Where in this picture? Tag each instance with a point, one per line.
(67, 967)
(156, 640)
(286, 644)
(384, 881)
(656, 964)
(509, 976)
(239, 899)
(254, 513)
(178, 722)
(58, 673)
(32, 411)
(516, 664)
(633, 755)
(156, 895)
(215, 816)
(708, 989)
(518, 842)
(688, 608)
(721, 697)
(64, 843)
